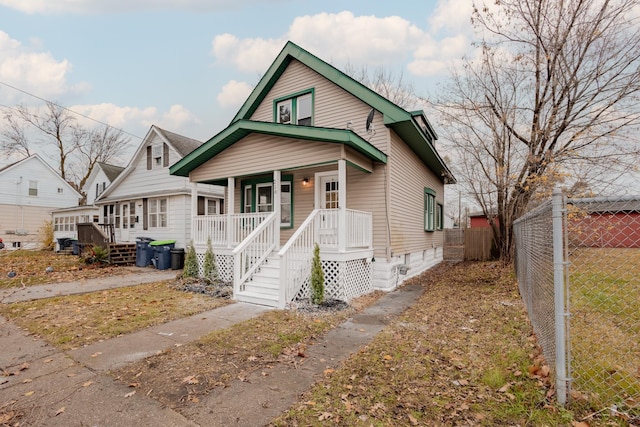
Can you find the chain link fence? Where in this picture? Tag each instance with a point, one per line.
(584, 304)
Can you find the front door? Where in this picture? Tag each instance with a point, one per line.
(128, 221)
(328, 199)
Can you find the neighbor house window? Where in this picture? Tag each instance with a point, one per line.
(439, 217)
(429, 209)
(295, 109)
(60, 190)
(33, 188)
(258, 197)
(158, 213)
(157, 156)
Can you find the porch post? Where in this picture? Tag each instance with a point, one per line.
(194, 210)
(277, 208)
(229, 203)
(342, 205)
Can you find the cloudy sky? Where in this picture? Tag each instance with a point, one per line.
(187, 65)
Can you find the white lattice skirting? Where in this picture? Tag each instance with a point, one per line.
(343, 280)
(224, 263)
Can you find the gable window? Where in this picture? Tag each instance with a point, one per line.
(33, 188)
(257, 196)
(157, 213)
(429, 209)
(157, 156)
(60, 190)
(295, 109)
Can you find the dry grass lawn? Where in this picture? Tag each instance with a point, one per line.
(30, 268)
(73, 321)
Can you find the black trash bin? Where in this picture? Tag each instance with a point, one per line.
(64, 243)
(162, 253)
(144, 254)
(177, 258)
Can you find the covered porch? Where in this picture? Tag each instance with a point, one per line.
(266, 249)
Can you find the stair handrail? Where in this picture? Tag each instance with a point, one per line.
(295, 259)
(252, 251)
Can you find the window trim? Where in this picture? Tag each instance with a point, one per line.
(429, 209)
(252, 183)
(293, 99)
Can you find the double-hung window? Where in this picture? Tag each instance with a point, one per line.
(429, 209)
(157, 213)
(295, 109)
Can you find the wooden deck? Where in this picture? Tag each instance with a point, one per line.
(122, 253)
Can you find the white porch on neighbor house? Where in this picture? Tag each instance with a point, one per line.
(265, 270)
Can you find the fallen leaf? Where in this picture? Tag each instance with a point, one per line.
(579, 424)
(413, 420)
(87, 384)
(130, 394)
(191, 379)
(27, 380)
(29, 393)
(133, 385)
(252, 358)
(504, 388)
(24, 366)
(387, 357)
(328, 372)
(47, 360)
(325, 416)
(6, 417)
(60, 411)
(96, 354)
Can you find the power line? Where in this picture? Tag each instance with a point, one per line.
(67, 109)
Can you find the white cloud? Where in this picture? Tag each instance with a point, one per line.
(110, 6)
(234, 93)
(247, 55)
(178, 117)
(32, 71)
(341, 38)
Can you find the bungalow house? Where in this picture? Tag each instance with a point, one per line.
(313, 156)
(31, 190)
(65, 220)
(604, 222)
(146, 201)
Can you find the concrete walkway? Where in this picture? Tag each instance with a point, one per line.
(135, 276)
(52, 388)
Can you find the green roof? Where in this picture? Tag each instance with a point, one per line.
(401, 121)
(242, 128)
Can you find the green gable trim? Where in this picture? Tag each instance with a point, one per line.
(395, 117)
(242, 128)
(392, 113)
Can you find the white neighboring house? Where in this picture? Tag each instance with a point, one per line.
(65, 220)
(146, 201)
(30, 190)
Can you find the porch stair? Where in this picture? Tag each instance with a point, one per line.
(264, 286)
(122, 253)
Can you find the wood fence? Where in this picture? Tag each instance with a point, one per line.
(469, 244)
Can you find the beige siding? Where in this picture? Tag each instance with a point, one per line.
(333, 106)
(263, 153)
(408, 178)
(366, 192)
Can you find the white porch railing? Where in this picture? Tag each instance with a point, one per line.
(295, 258)
(249, 254)
(215, 227)
(359, 229)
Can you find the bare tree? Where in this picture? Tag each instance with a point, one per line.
(554, 88)
(77, 148)
(13, 137)
(384, 82)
